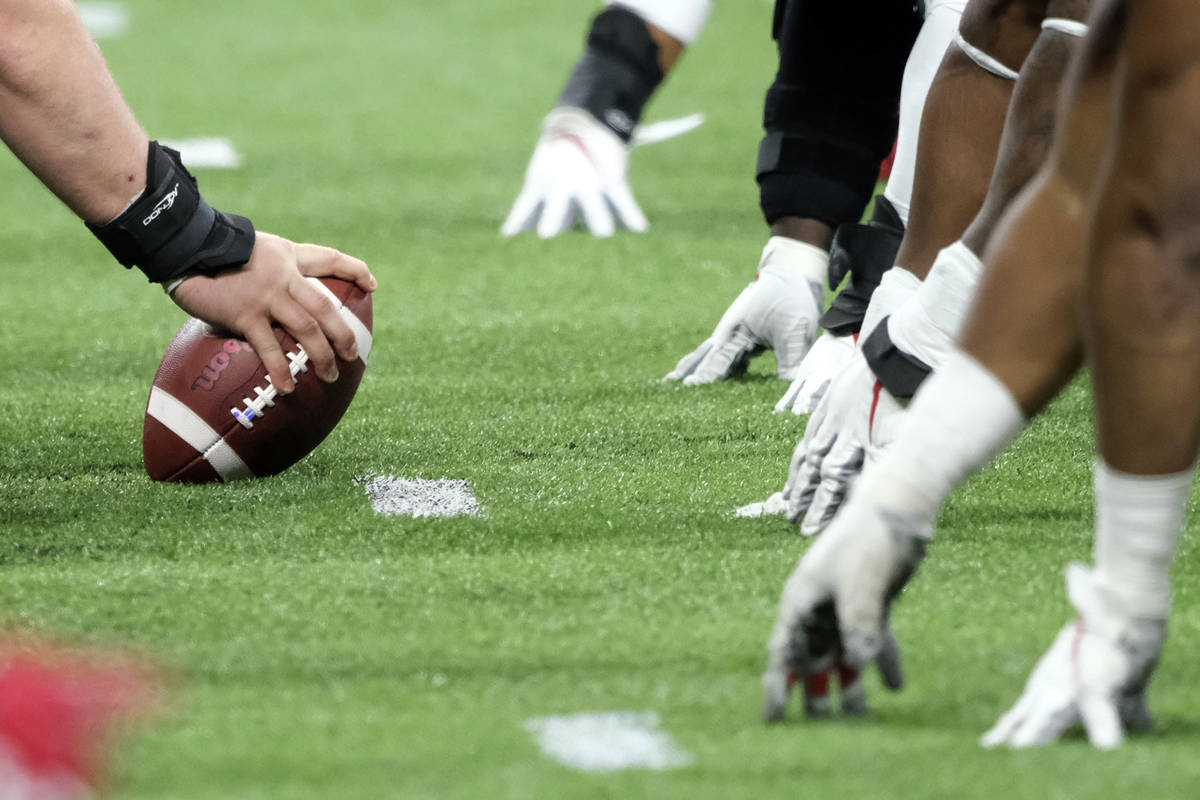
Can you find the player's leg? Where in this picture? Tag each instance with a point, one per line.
(1142, 328)
(1035, 251)
(968, 410)
(952, 158)
(830, 113)
(1142, 313)
(921, 325)
(962, 123)
(829, 119)
(961, 417)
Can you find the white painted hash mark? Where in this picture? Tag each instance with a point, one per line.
(607, 741)
(767, 508)
(206, 152)
(104, 20)
(416, 497)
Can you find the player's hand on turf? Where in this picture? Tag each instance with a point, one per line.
(828, 356)
(780, 310)
(578, 169)
(855, 418)
(835, 609)
(1096, 672)
(273, 288)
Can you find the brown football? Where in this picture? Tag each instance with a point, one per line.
(213, 415)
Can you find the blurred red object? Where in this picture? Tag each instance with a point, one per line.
(57, 708)
(885, 169)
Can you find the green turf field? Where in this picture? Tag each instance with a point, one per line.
(320, 650)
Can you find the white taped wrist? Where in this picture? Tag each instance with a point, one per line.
(1139, 519)
(795, 259)
(682, 19)
(896, 287)
(983, 60)
(960, 418)
(929, 323)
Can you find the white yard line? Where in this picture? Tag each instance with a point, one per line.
(206, 152)
(416, 497)
(770, 507)
(607, 741)
(104, 20)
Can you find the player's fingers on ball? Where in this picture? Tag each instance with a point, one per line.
(305, 329)
(263, 340)
(324, 310)
(318, 261)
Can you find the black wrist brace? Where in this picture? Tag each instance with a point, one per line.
(169, 232)
(865, 252)
(900, 373)
(618, 72)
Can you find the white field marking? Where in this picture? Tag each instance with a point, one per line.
(416, 497)
(206, 152)
(104, 20)
(767, 508)
(607, 741)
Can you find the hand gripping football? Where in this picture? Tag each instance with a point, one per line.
(214, 415)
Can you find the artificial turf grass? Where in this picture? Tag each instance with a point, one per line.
(322, 650)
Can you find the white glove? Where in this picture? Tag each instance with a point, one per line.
(578, 169)
(856, 417)
(835, 605)
(828, 356)
(1095, 672)
(780, 310)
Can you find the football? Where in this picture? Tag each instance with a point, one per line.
(214, 415)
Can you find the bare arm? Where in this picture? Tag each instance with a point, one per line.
(64, 117)
(62, 113)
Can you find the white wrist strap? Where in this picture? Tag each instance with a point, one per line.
(895, 289)
(929, 323)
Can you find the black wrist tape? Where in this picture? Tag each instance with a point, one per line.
(618, 72)
(900, 373)
(865, 252)
(169, 232)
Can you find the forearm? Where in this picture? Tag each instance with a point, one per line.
(61, 112)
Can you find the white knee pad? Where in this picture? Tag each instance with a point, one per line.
(683, 19)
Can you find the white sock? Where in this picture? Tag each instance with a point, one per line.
(960, 418)
(1138, 522)
(941, 24)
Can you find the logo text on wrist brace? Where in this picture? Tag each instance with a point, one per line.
(162, 206)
